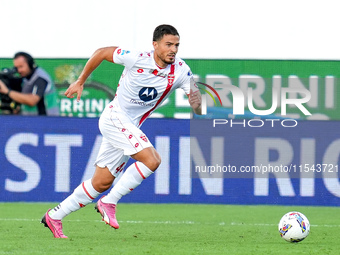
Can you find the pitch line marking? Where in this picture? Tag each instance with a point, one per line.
(169, 222)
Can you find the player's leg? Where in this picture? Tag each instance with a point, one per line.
(147, 161)
(115, 161)
(87, 191)
(84, 194)
(102, 179)
(149, 157)
(125, 136)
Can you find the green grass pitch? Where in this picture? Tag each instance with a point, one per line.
(167, 229)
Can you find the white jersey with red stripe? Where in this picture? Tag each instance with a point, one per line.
(143, 85)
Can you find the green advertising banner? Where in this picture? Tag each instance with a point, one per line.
(319, 77)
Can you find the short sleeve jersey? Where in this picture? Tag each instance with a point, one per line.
(143, 85)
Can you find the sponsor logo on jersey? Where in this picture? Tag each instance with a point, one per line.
(146, 94)
(122, 52)
(157, 73)
(141, 103)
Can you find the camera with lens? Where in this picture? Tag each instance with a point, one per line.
(10, 77)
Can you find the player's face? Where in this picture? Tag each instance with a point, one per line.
(21, 65)
(166, 50)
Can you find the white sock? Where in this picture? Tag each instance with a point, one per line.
(133, 176)
(81, 196)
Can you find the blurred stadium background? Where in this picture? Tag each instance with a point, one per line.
(46, 161)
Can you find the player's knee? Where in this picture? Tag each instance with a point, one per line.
(101, 185)
(102, 179)
(149, 157)
(154, 162)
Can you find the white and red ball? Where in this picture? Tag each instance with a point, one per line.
(294, 227)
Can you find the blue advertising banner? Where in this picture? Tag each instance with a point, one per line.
(45, 158)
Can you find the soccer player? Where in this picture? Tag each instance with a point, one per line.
(147, 80)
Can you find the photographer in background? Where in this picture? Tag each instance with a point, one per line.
(38, 95)
(12, 80)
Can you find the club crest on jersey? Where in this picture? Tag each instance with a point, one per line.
(146, 94)
(171, 79)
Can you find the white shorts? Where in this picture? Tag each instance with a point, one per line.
(121, 139)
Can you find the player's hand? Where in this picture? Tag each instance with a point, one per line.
(195, 101)
(3, 88)
(75, 88)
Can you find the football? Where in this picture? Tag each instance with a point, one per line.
(294, 227)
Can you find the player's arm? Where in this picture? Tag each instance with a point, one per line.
(93, 62)
(195, 101)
